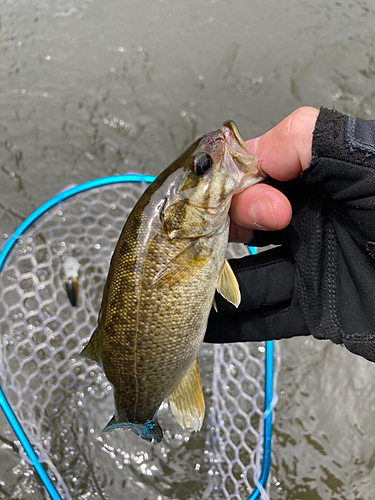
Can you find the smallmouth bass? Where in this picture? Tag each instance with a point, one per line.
(167, 264)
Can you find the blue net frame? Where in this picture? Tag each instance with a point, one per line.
(7, 409)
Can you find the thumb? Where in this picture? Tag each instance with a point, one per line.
(285, 151)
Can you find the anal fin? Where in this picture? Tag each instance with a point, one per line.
(227, 285)
(93, 350)
(187, 401)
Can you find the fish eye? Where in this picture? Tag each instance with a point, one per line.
(202, 163)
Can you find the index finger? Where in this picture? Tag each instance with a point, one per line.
(285, 151)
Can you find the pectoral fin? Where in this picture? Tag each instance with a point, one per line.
(183, 265)
(187, 401)
(93, 350)
(227, 285)
(214, 305)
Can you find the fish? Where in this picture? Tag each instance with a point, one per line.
(167, 264)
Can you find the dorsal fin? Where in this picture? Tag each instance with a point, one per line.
(93, 350)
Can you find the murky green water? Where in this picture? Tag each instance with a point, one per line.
(92, 88)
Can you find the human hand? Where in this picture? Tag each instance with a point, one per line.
(283, 153)
(319, 278)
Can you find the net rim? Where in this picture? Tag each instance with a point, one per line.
(6, 407)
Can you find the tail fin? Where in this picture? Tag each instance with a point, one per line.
(150, 430)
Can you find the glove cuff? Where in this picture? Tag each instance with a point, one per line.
(343, 138)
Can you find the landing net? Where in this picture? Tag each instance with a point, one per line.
(61, 402)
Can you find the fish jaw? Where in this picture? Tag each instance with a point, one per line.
(240, 162)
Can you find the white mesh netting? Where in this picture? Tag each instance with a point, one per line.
(63, 402)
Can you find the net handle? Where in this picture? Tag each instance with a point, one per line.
(7, 409)
(29, 450)
(267, 424)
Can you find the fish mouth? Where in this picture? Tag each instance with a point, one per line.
(229, 124)
(239, 151)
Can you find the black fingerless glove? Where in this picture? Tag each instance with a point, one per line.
(321, 280)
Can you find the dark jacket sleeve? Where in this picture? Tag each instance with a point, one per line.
(321, 280)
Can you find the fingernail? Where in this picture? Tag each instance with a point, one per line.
(262, 210)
